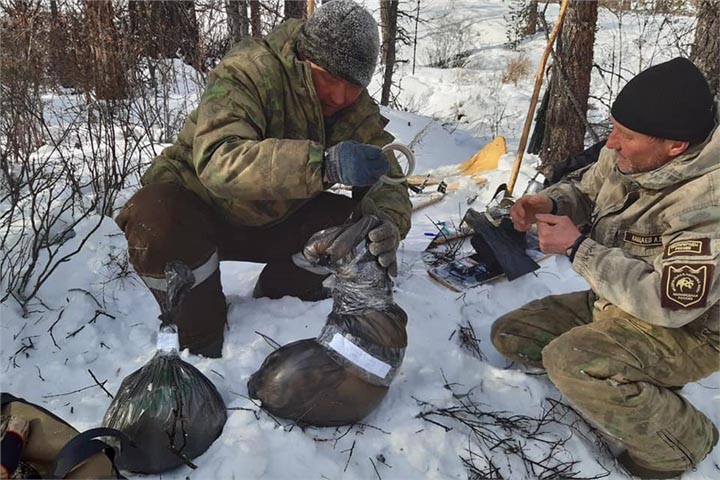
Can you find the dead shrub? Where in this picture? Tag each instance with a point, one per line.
(516, 69)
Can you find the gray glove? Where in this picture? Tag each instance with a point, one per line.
(384, 241)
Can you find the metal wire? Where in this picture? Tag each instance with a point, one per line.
(399, 147)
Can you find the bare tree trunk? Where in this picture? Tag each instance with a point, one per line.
(706, 49)
(179, 27)
(295, 8)
(238, 21)
(255, 18)
(565, 132)
(58, 48)
(388, 16)
(107, 70)
(531, 28)
(166, 29)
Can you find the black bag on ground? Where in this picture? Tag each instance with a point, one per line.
(342, 375)
(168, 407)
(35, 443)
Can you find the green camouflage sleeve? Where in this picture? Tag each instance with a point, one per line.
(232, 156)
(390, 199)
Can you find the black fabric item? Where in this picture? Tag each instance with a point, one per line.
(6, 398)
(284, 278)
(575, 162)
(671, 100)
(84, 446)
(503, 244)
(538, 133)
(10, 451)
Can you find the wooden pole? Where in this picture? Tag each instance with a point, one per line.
(534, 99)
(310, 7)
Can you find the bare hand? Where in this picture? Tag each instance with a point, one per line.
(556, 233)
(523, 213)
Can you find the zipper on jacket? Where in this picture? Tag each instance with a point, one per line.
(310, 87)
(631, 197)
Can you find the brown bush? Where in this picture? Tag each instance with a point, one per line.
(516, 69)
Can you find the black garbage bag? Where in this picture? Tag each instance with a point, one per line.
(168, 408)
(342, 375)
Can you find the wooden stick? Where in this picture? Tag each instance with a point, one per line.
(310, 7)
(534, 99)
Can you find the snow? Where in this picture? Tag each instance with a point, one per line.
(64, 341)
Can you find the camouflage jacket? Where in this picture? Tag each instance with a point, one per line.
(654, 243)
(253, 149)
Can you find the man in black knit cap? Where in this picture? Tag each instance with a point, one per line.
(642, 226)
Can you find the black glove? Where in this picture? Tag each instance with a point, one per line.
(384, 241)
(353, 163)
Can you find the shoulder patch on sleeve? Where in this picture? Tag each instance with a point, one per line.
(688, 248)
(686, 285)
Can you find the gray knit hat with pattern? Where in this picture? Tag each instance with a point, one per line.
(342, 37)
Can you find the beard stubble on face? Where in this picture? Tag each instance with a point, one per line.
(648, 161)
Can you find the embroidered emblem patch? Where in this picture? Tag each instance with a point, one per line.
(685, 285)
(685, 248)
(643, 240)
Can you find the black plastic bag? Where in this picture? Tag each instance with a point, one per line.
(168, 408)
(342, 375)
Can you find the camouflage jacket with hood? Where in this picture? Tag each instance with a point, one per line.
(654, 243)
(253, 149)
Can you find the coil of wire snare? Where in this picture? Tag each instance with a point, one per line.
(399, 147)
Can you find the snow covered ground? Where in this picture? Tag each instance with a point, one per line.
(438, 375)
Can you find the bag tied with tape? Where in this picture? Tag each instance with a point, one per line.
(340, 376)
(168, 407)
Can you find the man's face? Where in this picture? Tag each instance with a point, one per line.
(637, 152)
(334, 92)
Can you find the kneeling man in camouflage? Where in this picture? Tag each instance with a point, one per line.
(642, 226)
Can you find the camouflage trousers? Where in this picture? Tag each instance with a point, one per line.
(620, 372)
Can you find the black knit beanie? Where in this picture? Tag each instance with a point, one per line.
(342, 37)
(671, 100)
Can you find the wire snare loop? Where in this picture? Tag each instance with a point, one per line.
(399, 147)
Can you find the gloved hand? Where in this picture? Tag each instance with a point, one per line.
(384, 241)
(353, 163)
